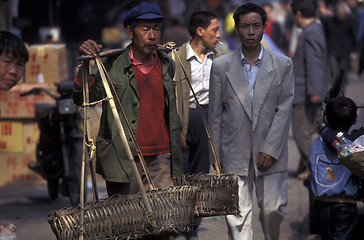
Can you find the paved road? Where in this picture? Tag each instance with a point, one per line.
(27, 206)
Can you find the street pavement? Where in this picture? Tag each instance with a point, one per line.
(27, 206)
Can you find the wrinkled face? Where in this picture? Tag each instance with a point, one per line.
(11, 71)
(250, 30)
(210, 35)
(145, 36)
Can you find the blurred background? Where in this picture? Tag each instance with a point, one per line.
(73, 21)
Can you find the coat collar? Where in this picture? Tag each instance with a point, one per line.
(263, 83)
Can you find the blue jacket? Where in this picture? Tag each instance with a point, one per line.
(330, 178)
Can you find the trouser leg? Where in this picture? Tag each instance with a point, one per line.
(195, 159)
(159, 169)
(240, 225)
(117, 188)
(271, 191)
(305, 120)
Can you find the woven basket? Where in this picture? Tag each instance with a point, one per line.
(124, 216)
(355, 163)
(218, 195)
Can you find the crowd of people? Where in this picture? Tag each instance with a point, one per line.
(278, 62)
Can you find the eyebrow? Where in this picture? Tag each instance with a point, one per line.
(252, 23)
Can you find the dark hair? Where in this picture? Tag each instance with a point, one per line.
(200, 19)
(248, 8)
(12, 45)
(307, 8)
(340, 113)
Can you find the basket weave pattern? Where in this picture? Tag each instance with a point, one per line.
(124, 216)
(355, 163)
(218, 195)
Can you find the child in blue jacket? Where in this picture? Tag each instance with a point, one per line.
(332, 183)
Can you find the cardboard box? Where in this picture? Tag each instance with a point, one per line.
(14, 169)
(11, 136)
(14, 107)
(111, 35)
(17, 148)
(47, 64)
(18, 136)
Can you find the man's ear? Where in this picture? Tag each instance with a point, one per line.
(325, 119)
(199, 31)
(129, 31)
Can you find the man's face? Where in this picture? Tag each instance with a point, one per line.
(250, 30)
(145, 36)
(11, 71)
(210, 35)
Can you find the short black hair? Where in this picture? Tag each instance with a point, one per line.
(248, 8)
(13, 46)
(341, 113)
(307, 8)
(200, 19)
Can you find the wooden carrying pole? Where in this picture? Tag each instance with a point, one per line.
(87, 127)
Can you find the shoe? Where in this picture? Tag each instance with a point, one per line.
(303, 175)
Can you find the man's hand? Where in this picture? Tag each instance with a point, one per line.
(315, 99)
(265, 161)
(90, 47)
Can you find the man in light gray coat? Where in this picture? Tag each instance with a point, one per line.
(251, 94)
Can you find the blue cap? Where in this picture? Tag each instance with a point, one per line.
(144, 10)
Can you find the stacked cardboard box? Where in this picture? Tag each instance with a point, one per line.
(19, 133)
(13, 106)
(47, 64)
(18, 128)
(17, 149)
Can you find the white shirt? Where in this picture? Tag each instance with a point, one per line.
(200, 76)
(251, 72)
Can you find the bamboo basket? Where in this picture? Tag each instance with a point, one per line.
(219, 192)
(124, 216)
(158, 212)
(355, 163)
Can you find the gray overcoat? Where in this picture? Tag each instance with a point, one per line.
(241, 128)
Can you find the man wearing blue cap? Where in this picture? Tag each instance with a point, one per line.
(143, 78)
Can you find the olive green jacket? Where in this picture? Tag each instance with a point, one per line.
(183, 88)
(111, 158)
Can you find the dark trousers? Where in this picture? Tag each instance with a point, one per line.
(305, 123)
(337, 220)
(195, 157)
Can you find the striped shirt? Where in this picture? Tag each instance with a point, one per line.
(252, 71)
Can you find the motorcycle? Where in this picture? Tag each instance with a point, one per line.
(60, 146)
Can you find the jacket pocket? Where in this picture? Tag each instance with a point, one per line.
(329, 171)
